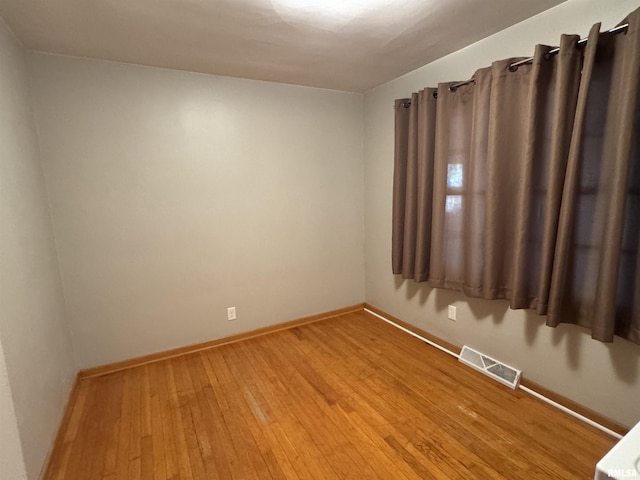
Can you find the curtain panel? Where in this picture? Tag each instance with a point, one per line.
(524, 184)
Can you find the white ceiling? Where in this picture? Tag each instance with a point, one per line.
(351, 49)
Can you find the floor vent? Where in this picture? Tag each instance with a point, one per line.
(490, 367)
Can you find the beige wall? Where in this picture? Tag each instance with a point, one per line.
(566, 360)
(175, 195)
(11, 461)
(33, 332)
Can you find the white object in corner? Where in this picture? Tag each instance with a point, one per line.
(623, 460)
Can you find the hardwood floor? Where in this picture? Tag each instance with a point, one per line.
(345, 398)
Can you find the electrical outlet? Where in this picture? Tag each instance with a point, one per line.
(231, 313)
(452, 313)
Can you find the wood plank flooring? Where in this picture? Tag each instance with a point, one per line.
(345, 398)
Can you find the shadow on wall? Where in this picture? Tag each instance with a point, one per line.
(571, 336)
(624, 355)
(413, 288)
(480, 308)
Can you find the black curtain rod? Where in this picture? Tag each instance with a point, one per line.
(514, 66)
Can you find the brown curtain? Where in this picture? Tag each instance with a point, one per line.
(525, 184)
(413, 184)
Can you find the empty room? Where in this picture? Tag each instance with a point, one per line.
(307, 239)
